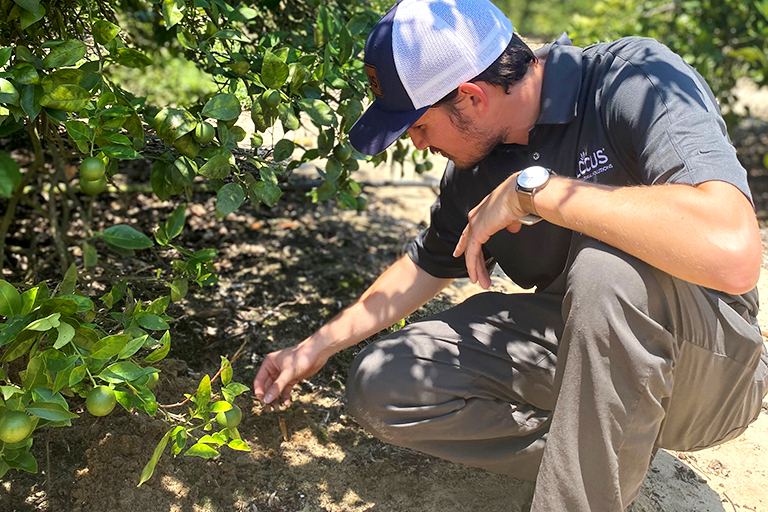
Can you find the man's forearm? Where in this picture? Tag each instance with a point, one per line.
(397, 293)
(707, 234)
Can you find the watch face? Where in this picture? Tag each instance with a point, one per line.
(532, 177)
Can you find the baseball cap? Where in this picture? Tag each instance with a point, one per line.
(419, 52)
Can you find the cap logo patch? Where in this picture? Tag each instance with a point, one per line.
(373, 80)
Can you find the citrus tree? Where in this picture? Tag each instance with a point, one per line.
(62, 102)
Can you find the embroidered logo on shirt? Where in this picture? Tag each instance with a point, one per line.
(592, 165)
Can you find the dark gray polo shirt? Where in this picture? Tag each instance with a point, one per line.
(624, 113)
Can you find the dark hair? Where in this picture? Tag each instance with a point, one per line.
(509, 68)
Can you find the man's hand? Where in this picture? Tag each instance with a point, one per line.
(282, 370)
(499, 210)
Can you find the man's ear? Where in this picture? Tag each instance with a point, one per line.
(475, 96)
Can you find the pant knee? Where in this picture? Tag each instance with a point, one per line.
(605, 281)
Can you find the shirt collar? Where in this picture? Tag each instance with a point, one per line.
(562, 81)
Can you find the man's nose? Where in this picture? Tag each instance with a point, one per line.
(418, 141)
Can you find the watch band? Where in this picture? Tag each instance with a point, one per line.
(526, 201)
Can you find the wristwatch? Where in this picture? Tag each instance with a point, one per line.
(529, 182)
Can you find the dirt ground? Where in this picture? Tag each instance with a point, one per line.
(283, 272)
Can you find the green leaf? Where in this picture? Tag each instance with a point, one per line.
(28, 19)
(357, 24)
(50, 411)
(159, 305)
(90, 256)
(179, 289)
(66, 54)
(171, 124)
(132, 58)
(66, 97)
(45, 324)
(126, 237)
(69, 282)
(160, 353)
(346, 45)
(124, 371)
(239, 444)
(268, 175)
(214, 439)
(175, 222)
(10, 391)
(229, 198)
(10, 179)
(267, 193)
(104, 31)
(236, 388)
(30, 100)
(220, 406)
(297, 76)
(132, 347)
(283, 149)
(10, 300)
(203, 395)
(287, 117)
(66, 334)
(25, 462)
(29, 5)
(43, 394)
(274, 72)
(226, 371)
(79, 131)
(8, 93)
(117, 139)
(109, 346)
(152, 322)
(223, 107)
(121, 152)
(5, 55)
(216, 168)
(317, 110)
(173, 12)
(149, 469)
(83, 303)
(25, 73)
(77, 375)
(202, 450)
(62, 378)
(28, 299)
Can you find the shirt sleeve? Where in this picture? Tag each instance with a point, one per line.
(664, 117)
(432, 249)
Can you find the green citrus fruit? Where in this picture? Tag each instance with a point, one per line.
(15, 426)
(187, 145)
(204, 132)
(92, 169)
(230, 418)
(152, 381)
(362, 204)
(342, 152)
(257, 140)
(100, 401)
(93, 187)
(270, 98)
(333, 168)
(420, 168)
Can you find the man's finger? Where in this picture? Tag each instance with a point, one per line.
(259, 383)
(461, 245)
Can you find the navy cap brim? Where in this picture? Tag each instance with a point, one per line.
(378, 128)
